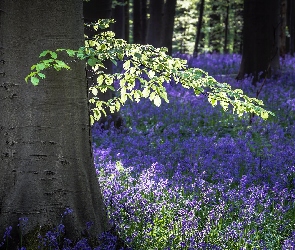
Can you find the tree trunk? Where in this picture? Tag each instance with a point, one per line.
(46, 157)
(226, 21)
(139, 21)
(291, 26)
(215, 34)
(168, 25)
(283, 23)
(118, 14)
(199, 27)
(260, 55)
(137, 28)
(155, 23)
(127, 29)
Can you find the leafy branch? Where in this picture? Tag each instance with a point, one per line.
(150, 67)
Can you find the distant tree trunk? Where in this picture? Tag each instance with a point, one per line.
(127, 29)
(94, 10)
(283, 24)
(155, 23)
(214, 35)
(226, 21)
(291, 26)
(238, 34)
(260, 39)
(139, 21)
(144, 21)
(46, 159)
(168, 25)
(118, 14)
(199, 27)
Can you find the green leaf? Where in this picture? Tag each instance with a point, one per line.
(91, 120)
(126, 65)
(92, 61)
(100, 79)
(41, 75)
(264, 115)
(114, 62)
(71, 52)
(35, 80)
(157, 101)
(44, 53)
(60, 64)
(145, 93)
(94, 91)
(151, 74)
(40, 66)
(53, 55)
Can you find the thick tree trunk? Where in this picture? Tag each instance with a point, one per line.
(199, 27)
(46, 158)
(260, 56)
(168, 25)
(155, 23)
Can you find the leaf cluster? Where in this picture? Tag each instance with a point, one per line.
(145, 70)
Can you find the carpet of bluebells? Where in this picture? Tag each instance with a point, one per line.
(189, 176)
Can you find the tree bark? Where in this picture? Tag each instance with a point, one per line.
(168, 25)
(199, 27)
(155, 23)
(46, 156)
(127, 29)
(137, 26)
(226, 22)
(215, 34)
(283, 23)
(118, 14)
(260, 55)
(291, 26)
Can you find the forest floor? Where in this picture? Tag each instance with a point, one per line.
(189, 176)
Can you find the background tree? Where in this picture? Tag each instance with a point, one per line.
(291, 26)
(155, 23)
(139, 21)
(46, 157)
(226, 28)
(260, 39)
(199, 27)
(214, 36)
(118, 14)
(283, 24)
(168, 25)
(127, 20)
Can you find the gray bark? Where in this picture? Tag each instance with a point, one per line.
(118, 14)
(45, 148)
(155, 23)
(260, 39)
(199, 27)
(168, 25)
